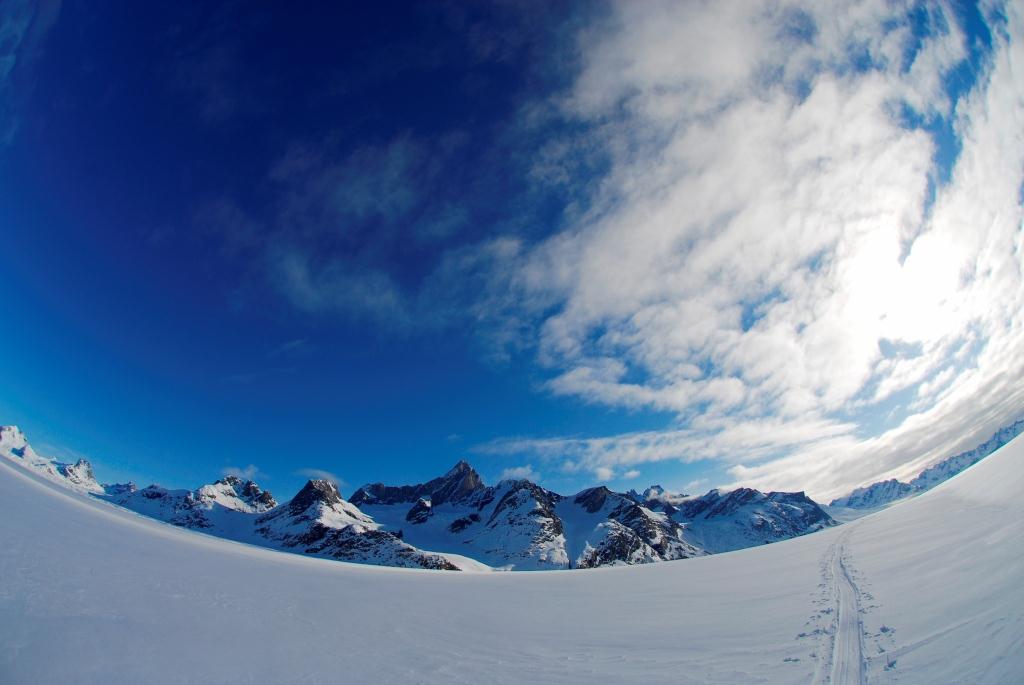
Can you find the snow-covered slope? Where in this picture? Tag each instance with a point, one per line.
(927, 591)
(886, 492)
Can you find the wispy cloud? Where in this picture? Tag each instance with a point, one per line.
(289, 347)
(519, 473)
(61, 452)
(250, 472)
(321, 474)
(694, 486)
(23, 24)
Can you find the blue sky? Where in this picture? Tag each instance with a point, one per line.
(631, 243)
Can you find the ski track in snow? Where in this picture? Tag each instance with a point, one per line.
(842, 660)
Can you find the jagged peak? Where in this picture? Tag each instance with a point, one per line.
(233, 486)
(461, 468)
(592, 499)
(315, 491)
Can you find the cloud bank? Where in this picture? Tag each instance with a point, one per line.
(792, 227)
(807, 246)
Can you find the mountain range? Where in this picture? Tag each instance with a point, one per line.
(466, 524)
(886, 492)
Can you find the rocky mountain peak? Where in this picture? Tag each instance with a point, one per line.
(243, 489)
(593, 499)
(81, 470)
(654, 492)
(317, 491)
(460, 482)
(461, 467)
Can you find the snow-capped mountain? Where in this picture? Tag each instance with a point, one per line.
(318, 521)
(888, 491)
(725, 521)
(510, 525)
(78, 476)
(222, 507)
(515, 524)
(518, 524)
(657, 497)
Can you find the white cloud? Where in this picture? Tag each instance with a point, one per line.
(525, 472)
(249, 472)
(320, 474)
(604, 473)
(765, 257)
(693, 485)
(288, 348)
(631, 474)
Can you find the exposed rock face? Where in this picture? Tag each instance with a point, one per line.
(594, 499)
(318, 492)
(615, 544)
(461, 524)
(371, 546)
(420, 511)
(460, 484)
(79, 473)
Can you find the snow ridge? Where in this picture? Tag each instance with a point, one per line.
(888, 491)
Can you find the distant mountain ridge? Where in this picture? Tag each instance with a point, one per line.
(889, 491)
(515, 524)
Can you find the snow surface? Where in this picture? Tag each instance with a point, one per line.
(926, 591)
